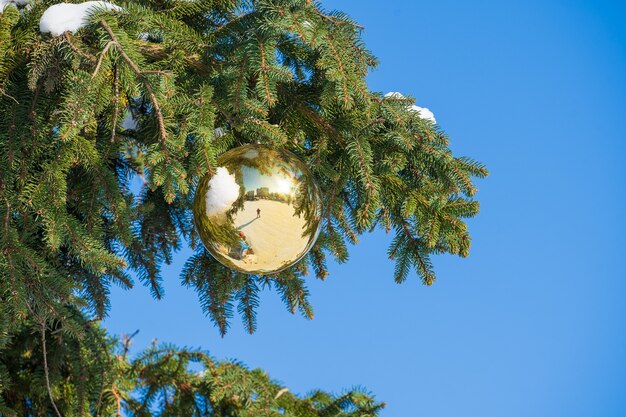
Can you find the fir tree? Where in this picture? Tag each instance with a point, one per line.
(198, 78)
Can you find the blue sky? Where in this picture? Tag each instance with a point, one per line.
(533, 322)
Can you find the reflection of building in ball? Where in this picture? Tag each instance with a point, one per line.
(260, 212)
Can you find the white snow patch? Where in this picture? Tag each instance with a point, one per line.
(65, 17)
(223, 192)
(5, 3)
(219, 132)
(424, 112)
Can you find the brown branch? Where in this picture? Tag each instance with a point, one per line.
(89, 327)
(371, 187)
(231, 22)
(45, 367)
(116, 84)
(157, 51)
(102, 54)
(387, 221)
(280, 393)
(268, 95)
(141, 74)
(341, 69)
(298, 29)
(7, 218)
(68, 39)
(157, 72)
(86, 324)
(339, 22)
(9, 96)
(118, 401)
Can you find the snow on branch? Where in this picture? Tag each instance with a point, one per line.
(423, 112)
(5, 3)
(65, 17)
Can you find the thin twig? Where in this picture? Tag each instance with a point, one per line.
(268, 95)
(45, 367)
(141, 74)
(157, 51)
(102, 54)
(8, 96)
(102, 369)
(231, 22)
(157, 72)
(60, 329)
(280, 393)
(127, 341)
(118, 401)
(116, 84)
(76, 49)
(340, 22)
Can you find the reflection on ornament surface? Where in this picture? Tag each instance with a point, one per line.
(260, 212)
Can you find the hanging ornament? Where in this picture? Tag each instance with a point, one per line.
(260, 212)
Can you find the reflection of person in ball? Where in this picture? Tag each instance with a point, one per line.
(258, 213)
(244, 247)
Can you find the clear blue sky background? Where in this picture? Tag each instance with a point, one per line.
(533, 323)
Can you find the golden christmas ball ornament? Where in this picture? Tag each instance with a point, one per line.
(260, 212)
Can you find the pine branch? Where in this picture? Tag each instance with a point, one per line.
(45, 368)
(76, 49)
(2, 92)
(102, 55)
(146, 82)
(344, 77)
(288, 75)
(159, 51)
(116, 98)
(338, 21)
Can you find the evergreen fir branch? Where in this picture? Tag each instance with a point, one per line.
(269, 97)
(148, 85)
(160, 51)
(360, 153)
(318, 261)
(46, 370)
(419, 256)
(343, 78)
(78, 51)
(283, 73)
(102, 55)
(248, 298)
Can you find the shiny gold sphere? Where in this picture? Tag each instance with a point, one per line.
(260, 212)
